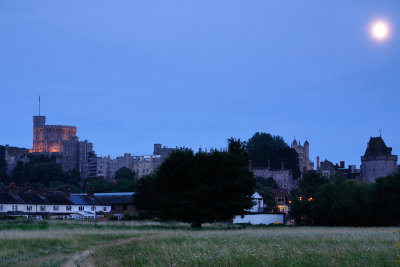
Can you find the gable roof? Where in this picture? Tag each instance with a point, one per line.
(377, 147)
(57, 198)
(116, 198)
(8, 198)
(83, 199)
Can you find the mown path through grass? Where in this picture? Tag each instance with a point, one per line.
(138, 244)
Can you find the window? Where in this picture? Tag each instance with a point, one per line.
(14, 207)
(1, 207)
(143, 170)
(104, 208)
(92, 208)
(55, 208)
(284, 185)
(28, 208)
(68, 208)
(42, 208)
(81, 208)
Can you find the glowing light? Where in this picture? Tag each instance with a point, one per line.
(380, 30)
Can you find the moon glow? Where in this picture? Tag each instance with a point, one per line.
(380, 30)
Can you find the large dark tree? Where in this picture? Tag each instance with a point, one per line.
(386, 200)
(343, 202)
(263, 147)
(144, 197)
(303, 197)
(204, 187)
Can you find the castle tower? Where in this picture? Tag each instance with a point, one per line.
(377, 161)
(304, 155)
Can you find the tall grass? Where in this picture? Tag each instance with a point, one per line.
(175, 244)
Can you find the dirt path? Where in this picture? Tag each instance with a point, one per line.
(83, 258)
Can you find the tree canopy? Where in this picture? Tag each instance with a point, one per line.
(124, 173)
(338, 201)
(204, 187)
(263, 147)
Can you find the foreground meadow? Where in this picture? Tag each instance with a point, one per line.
(153, 244)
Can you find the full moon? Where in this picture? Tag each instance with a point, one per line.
(380, 30)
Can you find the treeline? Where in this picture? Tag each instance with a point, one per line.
(45, 171)
(336, 201)
(199, 188)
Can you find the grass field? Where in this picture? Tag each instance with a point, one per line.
(153, 244)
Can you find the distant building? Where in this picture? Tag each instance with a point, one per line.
(121, 203)
(62, 142)
(258, 214)
(26, 202)
(305, 164)
(327, 168)
(106, 167)
(12, 155)
(377, 161)
(162, 151)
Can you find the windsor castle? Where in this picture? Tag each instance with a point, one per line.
(62, 142)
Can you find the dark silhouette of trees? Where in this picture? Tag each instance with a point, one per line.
(204, 187)
(124, 173)
(338, 201)
(263, 147)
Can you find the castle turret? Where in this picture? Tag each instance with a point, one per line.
(377, 161)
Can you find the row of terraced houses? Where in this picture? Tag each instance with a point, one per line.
(38, 203)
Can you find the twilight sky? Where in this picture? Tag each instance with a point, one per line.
(194, 73)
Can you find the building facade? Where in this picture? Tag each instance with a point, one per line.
(305, 164)
(62, 142)
(106, 167)
(377, 161)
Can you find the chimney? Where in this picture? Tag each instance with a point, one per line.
(317, 163)
(269, 164)
(90, 192)
(342, 165)
(41, 191)
(66, 192)
(13, 189)
(282, 165)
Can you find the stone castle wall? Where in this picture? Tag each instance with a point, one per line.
(283, 178)
(378, 166)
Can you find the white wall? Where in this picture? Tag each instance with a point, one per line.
(50, 208)
(259, 219)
